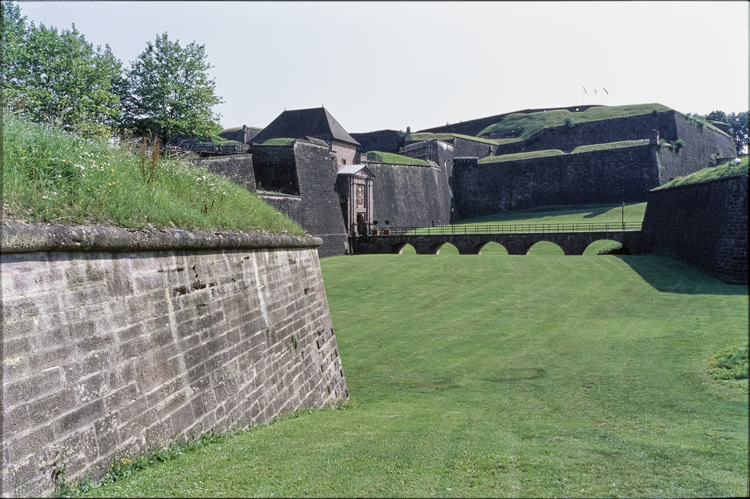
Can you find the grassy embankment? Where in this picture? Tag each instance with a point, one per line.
(396, 159)
(447, 137)
(504, 377)
(729, 169)
(56, 177)
(529, 124)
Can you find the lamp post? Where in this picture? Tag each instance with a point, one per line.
(623, 209)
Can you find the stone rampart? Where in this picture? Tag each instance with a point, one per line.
(410, 196)
(122, 341)
(703, 224)
(236, 167)
(595, 177)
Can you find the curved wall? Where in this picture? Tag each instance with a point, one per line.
(121, 341)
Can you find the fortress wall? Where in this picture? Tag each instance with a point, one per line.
(700, 144)
(289, 205)
(410, 196)
(236, 167)
(320, 205)
(471, 148)
(596, 132)
(382, 140)
(702, 224)
(121, 341)
(275, 169)
(308, 172)
(582, 178)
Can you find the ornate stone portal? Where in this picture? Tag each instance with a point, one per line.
(355, 188)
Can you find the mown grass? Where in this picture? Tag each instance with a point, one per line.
(591, 213)
(531, 123)
(56, 177)
(516, 376)
(729, 169)
(396, 159)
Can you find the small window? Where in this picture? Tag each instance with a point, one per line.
(344, 161)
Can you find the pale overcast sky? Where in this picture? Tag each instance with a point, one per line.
(389, 65)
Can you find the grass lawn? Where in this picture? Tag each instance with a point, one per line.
(517, 376)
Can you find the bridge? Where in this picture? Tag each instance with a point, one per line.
(517, 239)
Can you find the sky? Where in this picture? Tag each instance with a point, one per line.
(393, 65)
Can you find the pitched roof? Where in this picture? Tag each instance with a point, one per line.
(353, 169)
(301, 123)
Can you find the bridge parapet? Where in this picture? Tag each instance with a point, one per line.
(572, 243)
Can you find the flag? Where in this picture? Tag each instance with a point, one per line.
(584, 91)
(605, 90)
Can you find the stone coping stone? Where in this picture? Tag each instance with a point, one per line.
(27, 238)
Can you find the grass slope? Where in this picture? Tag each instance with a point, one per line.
(729, 169)
(52, 176)
(531, 123)
(394, 159)
(447, 137)
(503, 377)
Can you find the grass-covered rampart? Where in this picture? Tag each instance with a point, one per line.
(394, 159)
(531, 123)
(447, 137)
(729, 169)
(557, 152)
(52, 176)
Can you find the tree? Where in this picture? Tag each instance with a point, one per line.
(169, 93)
(738, 126)
(717, 116)
(58, 78)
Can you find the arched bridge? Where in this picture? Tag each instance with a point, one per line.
(517, 239)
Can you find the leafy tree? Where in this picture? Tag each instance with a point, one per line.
(169, 93)
(717, 116)
(738, 126)
(58, 77)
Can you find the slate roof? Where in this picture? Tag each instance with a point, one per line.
(301, 123)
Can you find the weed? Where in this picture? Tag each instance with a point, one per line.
(678, 144)
(730, 363)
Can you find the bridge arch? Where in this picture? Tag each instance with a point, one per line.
(443, 245)
(544, 247)
(606, 247)
(490, 248)
(403, 249)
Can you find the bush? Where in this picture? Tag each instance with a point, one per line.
(678, 144)
(569, 122)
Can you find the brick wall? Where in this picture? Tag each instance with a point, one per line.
(123, 341)
(702, 224)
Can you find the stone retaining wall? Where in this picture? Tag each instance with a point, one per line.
(121, 341)
(703, 224)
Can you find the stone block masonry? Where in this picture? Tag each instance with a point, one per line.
(703, 224)
(120, 341)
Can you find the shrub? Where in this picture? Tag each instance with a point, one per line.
(569, 122)
(678, 144)
(655, 112)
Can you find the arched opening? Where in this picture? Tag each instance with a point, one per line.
(492, 249)
(403, 249)
(606, 247)
(545, 248)
(444, 249)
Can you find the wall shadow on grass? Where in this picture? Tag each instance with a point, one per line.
(672, 276)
